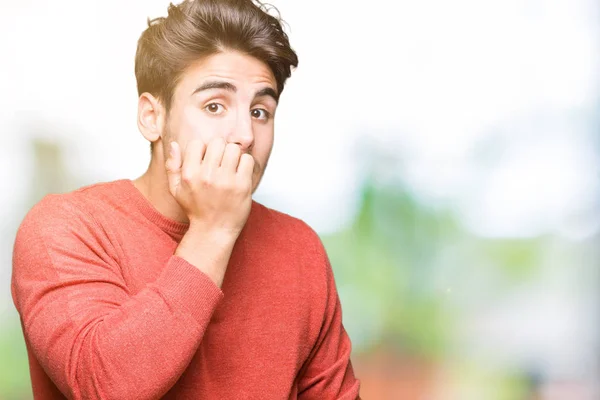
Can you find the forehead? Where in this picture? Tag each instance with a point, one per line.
(230, 66)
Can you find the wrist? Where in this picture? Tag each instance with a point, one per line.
(219, 237)
(208, 250)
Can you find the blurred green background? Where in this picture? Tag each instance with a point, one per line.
(451, 169)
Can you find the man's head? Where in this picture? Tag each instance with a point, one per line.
(212, 68)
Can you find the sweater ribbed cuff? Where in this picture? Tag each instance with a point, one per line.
(190, 288)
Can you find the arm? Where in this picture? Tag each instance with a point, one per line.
(328, 372)
(91, 336)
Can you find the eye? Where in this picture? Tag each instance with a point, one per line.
(260, 113)
(215, 108)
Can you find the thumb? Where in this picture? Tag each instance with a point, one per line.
(173, 166)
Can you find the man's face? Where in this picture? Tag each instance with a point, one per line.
(231, 95)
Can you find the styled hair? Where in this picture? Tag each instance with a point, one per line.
(195, 29)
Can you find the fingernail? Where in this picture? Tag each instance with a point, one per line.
(172, 150)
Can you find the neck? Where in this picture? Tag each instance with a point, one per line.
(154, 185)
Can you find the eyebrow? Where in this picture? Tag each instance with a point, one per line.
(267, 91)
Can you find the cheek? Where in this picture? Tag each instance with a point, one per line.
(196, 124)
(185, 126)
(263, 143)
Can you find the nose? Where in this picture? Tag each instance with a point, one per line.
(242, 133)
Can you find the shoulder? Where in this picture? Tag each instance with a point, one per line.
(57, 214)
(57, 239)
(52, 212)
(289, 238)
(286, 227)
(112, 192)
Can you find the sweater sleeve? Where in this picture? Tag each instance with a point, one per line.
(92, 337)
(328, 372)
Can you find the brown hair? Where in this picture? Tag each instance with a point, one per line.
(199, 28)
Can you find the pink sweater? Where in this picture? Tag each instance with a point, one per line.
(109, 312)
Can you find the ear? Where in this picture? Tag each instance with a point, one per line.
(151, 117)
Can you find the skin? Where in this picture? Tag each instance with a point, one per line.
(210, 152)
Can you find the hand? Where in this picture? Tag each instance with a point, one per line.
(213, 185)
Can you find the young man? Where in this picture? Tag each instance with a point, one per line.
(177, 285)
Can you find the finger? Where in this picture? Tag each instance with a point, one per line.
(231, 157)
(173, 166)
(191, 162)
(214, 153)
(246, 165)
(195, 151)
